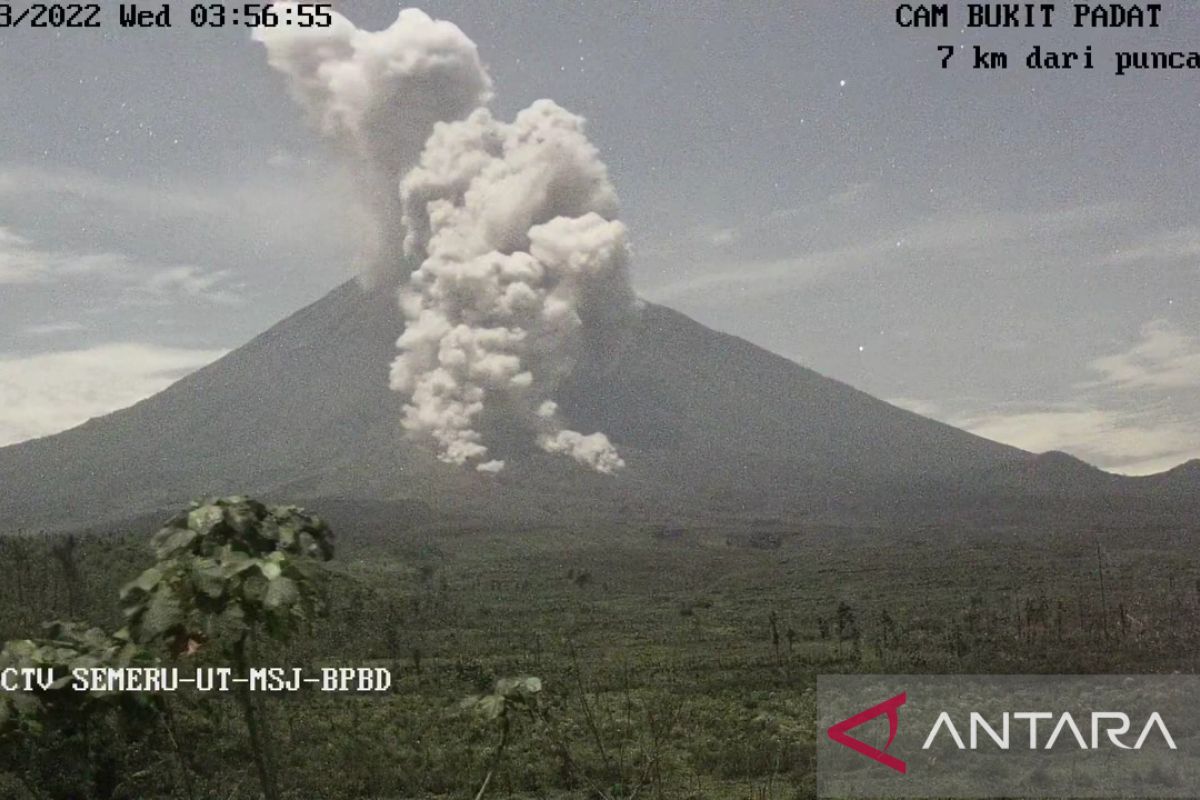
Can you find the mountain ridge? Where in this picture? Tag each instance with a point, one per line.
(303, 410)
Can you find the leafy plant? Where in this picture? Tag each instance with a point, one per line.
(67, 646)
(511, 695)
(226, 569)
(52, 719)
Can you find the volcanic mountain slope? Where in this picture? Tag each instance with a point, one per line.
(303, 411)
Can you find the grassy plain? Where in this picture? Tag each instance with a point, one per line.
(678, 660)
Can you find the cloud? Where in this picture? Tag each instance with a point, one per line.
(1182, 244)
(191, 282)
(53, 328)
(858, 193)
(1131, 421)
(1129, 442)
(293, 202)
(1165, 358)
(984, 240)
(378, 95)
(763, 277)
(723, 237)
(15, 264)
(49, 392)
(922, 407)
(22, 262)
(25, 181)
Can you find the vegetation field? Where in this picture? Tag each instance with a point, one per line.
(676, 661)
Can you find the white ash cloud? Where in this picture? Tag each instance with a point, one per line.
(523, 267)
(377, 94)
(520, 267)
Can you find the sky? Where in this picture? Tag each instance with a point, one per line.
(1016, 253)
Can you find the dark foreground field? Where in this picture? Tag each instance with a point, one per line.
(677, 660)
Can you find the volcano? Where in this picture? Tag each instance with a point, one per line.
(706, 422)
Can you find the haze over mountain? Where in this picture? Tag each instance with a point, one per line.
(705, 421)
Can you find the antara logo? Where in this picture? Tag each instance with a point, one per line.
(838, 732)
(1114, 724)
(1105, 725)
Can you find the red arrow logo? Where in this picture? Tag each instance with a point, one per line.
(838, 732)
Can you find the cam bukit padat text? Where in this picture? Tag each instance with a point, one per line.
(1029, 15)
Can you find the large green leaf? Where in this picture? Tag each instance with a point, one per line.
(492, 706)
(205, 519)
(254, 589)
(144, 582)
(235, 563)
(272, 566)
(526, 684)
(163, 613)
(209, 577)
(281, 593)
(175, 541)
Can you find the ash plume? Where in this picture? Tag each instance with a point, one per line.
(377, 95)
(519, 267)
(522, 265)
